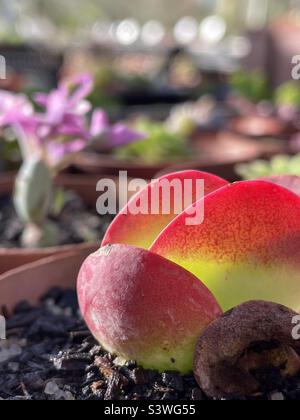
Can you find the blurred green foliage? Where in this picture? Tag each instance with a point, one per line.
(288, 94)
(252, 85)
(279, 165)
(9, 153)
(110, 84)
(100, 99)
(160, 145)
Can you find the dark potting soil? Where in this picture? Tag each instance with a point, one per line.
(76, 223)
(50, 355)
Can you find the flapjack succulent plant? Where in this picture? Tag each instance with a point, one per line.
(150, 304)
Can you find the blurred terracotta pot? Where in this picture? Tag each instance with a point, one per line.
(223, 170)
(97, 163)
(257, 126)
(30, 282)
(224, 147)
(13, 82)
(210, 148)
(220, 152)
(84, 186)
(15, 257)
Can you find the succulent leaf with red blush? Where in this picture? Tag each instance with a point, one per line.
(290, 182)
(247, 248)
(143, 307)
(142, 229)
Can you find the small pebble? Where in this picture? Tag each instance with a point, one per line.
(173, 380)
(13, 367)
(277, 396)
(52, 388)
(9, 351)
(119, 361)
(68, 396)
(139, 376)
(197, 395)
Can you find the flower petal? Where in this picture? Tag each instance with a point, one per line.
(99, 123)
(121, 135)
(84, 83)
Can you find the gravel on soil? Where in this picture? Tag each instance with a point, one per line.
(50, 355)
(76, 223)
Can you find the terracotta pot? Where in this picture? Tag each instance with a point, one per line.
(220, 152)
(15, 257)
(225, 147)
(257, 126)
(84, 186)
(30, 282)
(211, 149)
(223, 170)
(13, 82)
(97, 163)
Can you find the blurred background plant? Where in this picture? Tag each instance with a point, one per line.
(179, 73)
(160, 144)
(288, 94)
(48, 139)
(40, 18)
(278, 165)
(253, 86)
(287, 100)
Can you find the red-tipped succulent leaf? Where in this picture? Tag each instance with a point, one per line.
(143, 307)
(247, 248)
(158, 207)
(290, 182)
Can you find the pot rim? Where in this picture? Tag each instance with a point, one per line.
(94, 158)
(31, 281)
(28, 255)
(278, 130)
(45, 251)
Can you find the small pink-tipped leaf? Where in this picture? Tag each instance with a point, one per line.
(142, 229)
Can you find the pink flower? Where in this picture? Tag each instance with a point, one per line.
(14, 108)
(112, 135)
(63, 127)
(68, 99)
